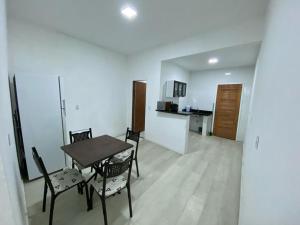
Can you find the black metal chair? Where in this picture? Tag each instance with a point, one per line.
(58, 182)
(80, 135)
(77, 136)
(112, 180)
(133, 136)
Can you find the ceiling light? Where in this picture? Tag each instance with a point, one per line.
(213, 60)
(129, 12)
(228, 74)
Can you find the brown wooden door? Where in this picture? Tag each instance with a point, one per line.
(138, 106)
(227, 110)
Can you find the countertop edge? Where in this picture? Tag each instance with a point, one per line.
(175, 113)
(184, 113)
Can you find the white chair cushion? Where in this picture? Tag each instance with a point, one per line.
(113, 185)
(87, 174)
(79, 167)
(65, 179)
(122, 156)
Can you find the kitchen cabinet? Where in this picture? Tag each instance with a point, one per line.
(175, 89)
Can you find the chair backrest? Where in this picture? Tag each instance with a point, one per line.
(41, 167)
(111, 170)
(133, 136)
(81, 135)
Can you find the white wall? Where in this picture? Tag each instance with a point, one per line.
(171, 71)
(147, 66)
(203, 90)
(95, 79)
(11, 187)
(270, 192)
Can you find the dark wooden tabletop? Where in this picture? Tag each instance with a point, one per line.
(91, 151)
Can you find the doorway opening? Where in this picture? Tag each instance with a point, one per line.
(236, 65)
(138, 105)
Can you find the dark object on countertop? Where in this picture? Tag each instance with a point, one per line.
(161, 105)
(168, 106)
(174, 107)
(164, 106)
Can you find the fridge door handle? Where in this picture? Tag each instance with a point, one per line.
(63, 108)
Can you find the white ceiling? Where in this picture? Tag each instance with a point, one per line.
(158, 22)
(237, 56)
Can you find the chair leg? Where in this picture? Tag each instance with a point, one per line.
(52, 209)
(87, 195)
(104, 210)
(80, 185)
(91, 196)
(129, 200)
(137, 167)
(79, 189)
(45, 196)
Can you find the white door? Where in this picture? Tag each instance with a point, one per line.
(41, 120)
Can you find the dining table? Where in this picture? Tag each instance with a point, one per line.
(90, 152)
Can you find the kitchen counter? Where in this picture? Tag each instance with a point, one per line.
(201, 112)
(192, 112)
(177, 113)
(205, 118)
(176, 127)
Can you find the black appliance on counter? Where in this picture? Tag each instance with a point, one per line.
(167, 106)
(174, 107)
(164, 106)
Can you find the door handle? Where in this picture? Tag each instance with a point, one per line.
(63, 107)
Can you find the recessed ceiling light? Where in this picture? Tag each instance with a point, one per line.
(129, 12)
(228, 74)
(213, 60)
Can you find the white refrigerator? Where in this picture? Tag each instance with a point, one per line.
(41, 114)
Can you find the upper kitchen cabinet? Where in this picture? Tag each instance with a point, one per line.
(175, 89)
